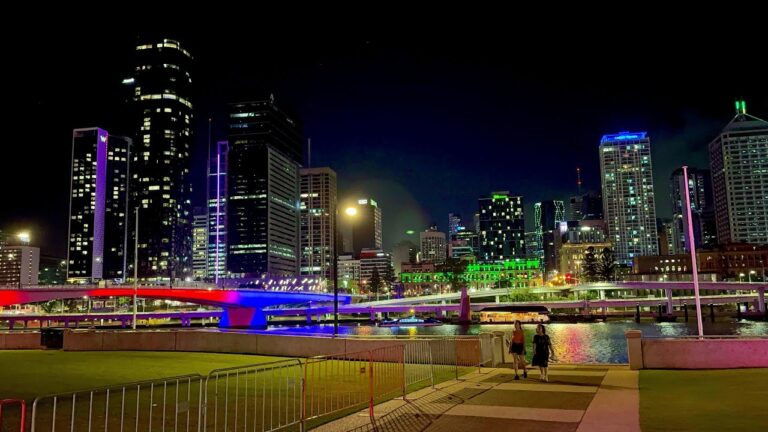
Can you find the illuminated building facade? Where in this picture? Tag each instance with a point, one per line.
(318, 221)
(217, 212)
(502, 227)
(702, 210)
(738, 160)
(98, 206)
(160, 184)
(433, 245)
(516, 273)
(200, 244)
(263, 190)
(19, 266)
(628, 198)
(366, 226)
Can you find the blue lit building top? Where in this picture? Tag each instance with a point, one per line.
(624, 136)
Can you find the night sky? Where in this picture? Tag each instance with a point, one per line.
(423, 118)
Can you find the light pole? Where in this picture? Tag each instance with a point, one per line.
(135, 269)
(741, 277)
(692, 243)
(751, 272)
(350, 211)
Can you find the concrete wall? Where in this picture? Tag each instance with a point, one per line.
(19, 340)
(465, 351)
(690, 353)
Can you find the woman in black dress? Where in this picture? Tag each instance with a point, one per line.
(542, 347)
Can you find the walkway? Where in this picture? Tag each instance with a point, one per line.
(576, 399)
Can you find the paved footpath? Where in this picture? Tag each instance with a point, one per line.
(577, 398)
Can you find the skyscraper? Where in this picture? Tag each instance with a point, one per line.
(502, 227)
(98, 206)
(433, 245)
(318, 221)
(628, 199)
(366, 226)
(263, 190)
(702, 210)
(454, 223)
(217, 212)
(586, 206)
(738, 158)
(547, 216)
(199, 243)
(160, 163)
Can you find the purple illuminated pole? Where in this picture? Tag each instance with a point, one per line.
(692, 247)
(218, 212)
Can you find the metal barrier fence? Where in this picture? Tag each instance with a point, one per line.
(264, 397)
(352, 380)
(261, 397)
(20, 415)
(169, 404)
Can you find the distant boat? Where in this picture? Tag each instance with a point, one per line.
(510, 314)
(410, 322)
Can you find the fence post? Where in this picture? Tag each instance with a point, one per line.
(22, 412)
(302, 402)
(370, 386)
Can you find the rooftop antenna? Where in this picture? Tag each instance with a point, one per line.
(578, 179)
(309, 152)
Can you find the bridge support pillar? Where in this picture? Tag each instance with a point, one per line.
(669, 300)
(11, 324)
(761, 299)
(497, 299)
(373, 315)
(309, 319)
(243, 317)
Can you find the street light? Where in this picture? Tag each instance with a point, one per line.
(751, 272)
(135, 269)
(23, 237)
(741, 275)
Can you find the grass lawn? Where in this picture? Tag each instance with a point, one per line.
(708, 400)
(27, 374)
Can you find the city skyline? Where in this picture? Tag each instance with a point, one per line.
(378, 112)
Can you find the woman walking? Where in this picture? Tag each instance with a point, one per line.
(517, 349)
(542, 347)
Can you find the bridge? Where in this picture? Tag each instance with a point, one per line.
(242, 307)
(601, 287)
(124, 318)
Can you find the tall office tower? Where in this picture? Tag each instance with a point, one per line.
(366, 226)
(532, 247)
(454, 223)
(19, 266)
(502, 227)
(98, 206)
(702, 210)
(318, 221)
(433, 245)
(263, 190)
(160, 162)
(547, 216)
(586, 206)
(628, 199)
(217, 212)
(464, 245)
(199, 243)
(666, 231)
(404, 252)
(738, 159)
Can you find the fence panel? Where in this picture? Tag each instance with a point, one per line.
(388, 373)
(336, 382)
(261, 397)
(13, 415)
(167, 404)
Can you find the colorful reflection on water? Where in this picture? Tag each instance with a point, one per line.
(574, 343)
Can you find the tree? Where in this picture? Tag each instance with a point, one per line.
(607, 266)
(591, 266)
(454, 269)
(375, 285)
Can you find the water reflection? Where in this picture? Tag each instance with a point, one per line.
(574, 343)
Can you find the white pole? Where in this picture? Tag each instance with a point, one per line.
(135, 269)
(692, 247)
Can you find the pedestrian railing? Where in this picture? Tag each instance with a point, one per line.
(261, 397)
(168, 404)
(17, 416)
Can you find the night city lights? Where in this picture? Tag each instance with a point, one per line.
(289, 220)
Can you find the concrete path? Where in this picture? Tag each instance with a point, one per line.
(576, 399)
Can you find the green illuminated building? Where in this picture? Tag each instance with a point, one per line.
(517, 273)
